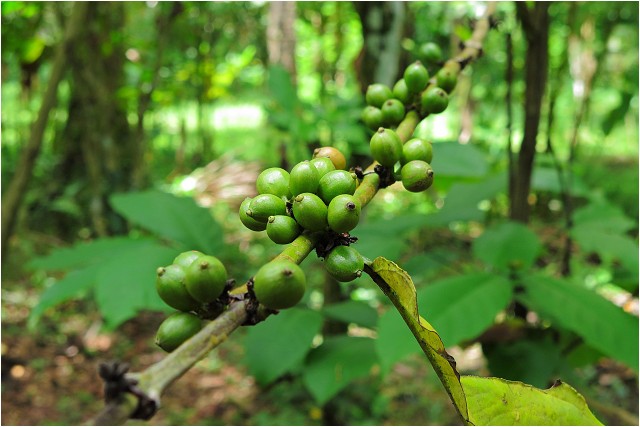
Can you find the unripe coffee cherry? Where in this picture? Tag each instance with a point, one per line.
(279, 284)
(185, 259)
(430, 53)
(282, 229)
(176, 329)
(372, 117)
(344, 263)
(434, 100)
(246, 220)
(417, 176)
(447, 79)
(205, 278)
(377, 94)
(170, 285)
(335, 183)
(401, 92)
(273, 181)
(392, 112)
(343, 213)
(417, 149)
(386, 147)
(416, 77)
(323, 165)
(265, 205)
(310, 212)
(336, 157)
(304, 178)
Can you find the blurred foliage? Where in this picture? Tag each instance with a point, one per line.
(214, 95)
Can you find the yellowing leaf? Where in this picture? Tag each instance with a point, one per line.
(494, 401)
(399, 288)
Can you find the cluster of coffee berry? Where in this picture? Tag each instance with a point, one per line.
(191, 283)
(317, 195)
(387, 108)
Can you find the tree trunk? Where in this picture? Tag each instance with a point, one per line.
(19, 184)
(383, 27)
(97, 143)
(281, 47)
(535, 22)
(281, 39)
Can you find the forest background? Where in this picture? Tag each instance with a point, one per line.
(126, 126)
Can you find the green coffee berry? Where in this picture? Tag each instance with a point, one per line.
(343, 213)
(386, 147)
(304, 178)
(434, 100)
(401, 92)
(336, 183)
(265, 205)
(246, 220)
(336, 157)
(417, 149)
(310, 212)
(205, 279)
(416, 77)
(185, 259)
(417, 176)
(273, 181)
(344, 263)
(323, 165)
(392, 112)
(430, 53)
(279, 284)
(282, 229)
(170, 285)
(377, 94)
(447, 79)
(372, 117)
(176, 329)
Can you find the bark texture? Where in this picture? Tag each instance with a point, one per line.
(535, 22)
(383, 27)
(14, 195)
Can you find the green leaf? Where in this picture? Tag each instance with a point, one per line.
(282, 88)
(546, 179)
(32, 50)
(73, 285)
(399, 288)
(603, 325)
(532, 361)
(395, 341)
(428, 263)
(84, 254)
(480, 296)
(357, 312)
(506, 245)
(276, 347)
(385, 238)
(178, 219)
(458, 160)
(336, 363)
(461, 202)
(494, 401)
(602, 216)
(126, 281)
(609, 245)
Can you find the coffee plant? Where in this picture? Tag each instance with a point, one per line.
(316, 206)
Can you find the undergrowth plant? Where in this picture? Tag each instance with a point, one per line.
(316, 206)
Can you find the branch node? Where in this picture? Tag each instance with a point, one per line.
(386, 175)
(116, 384)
